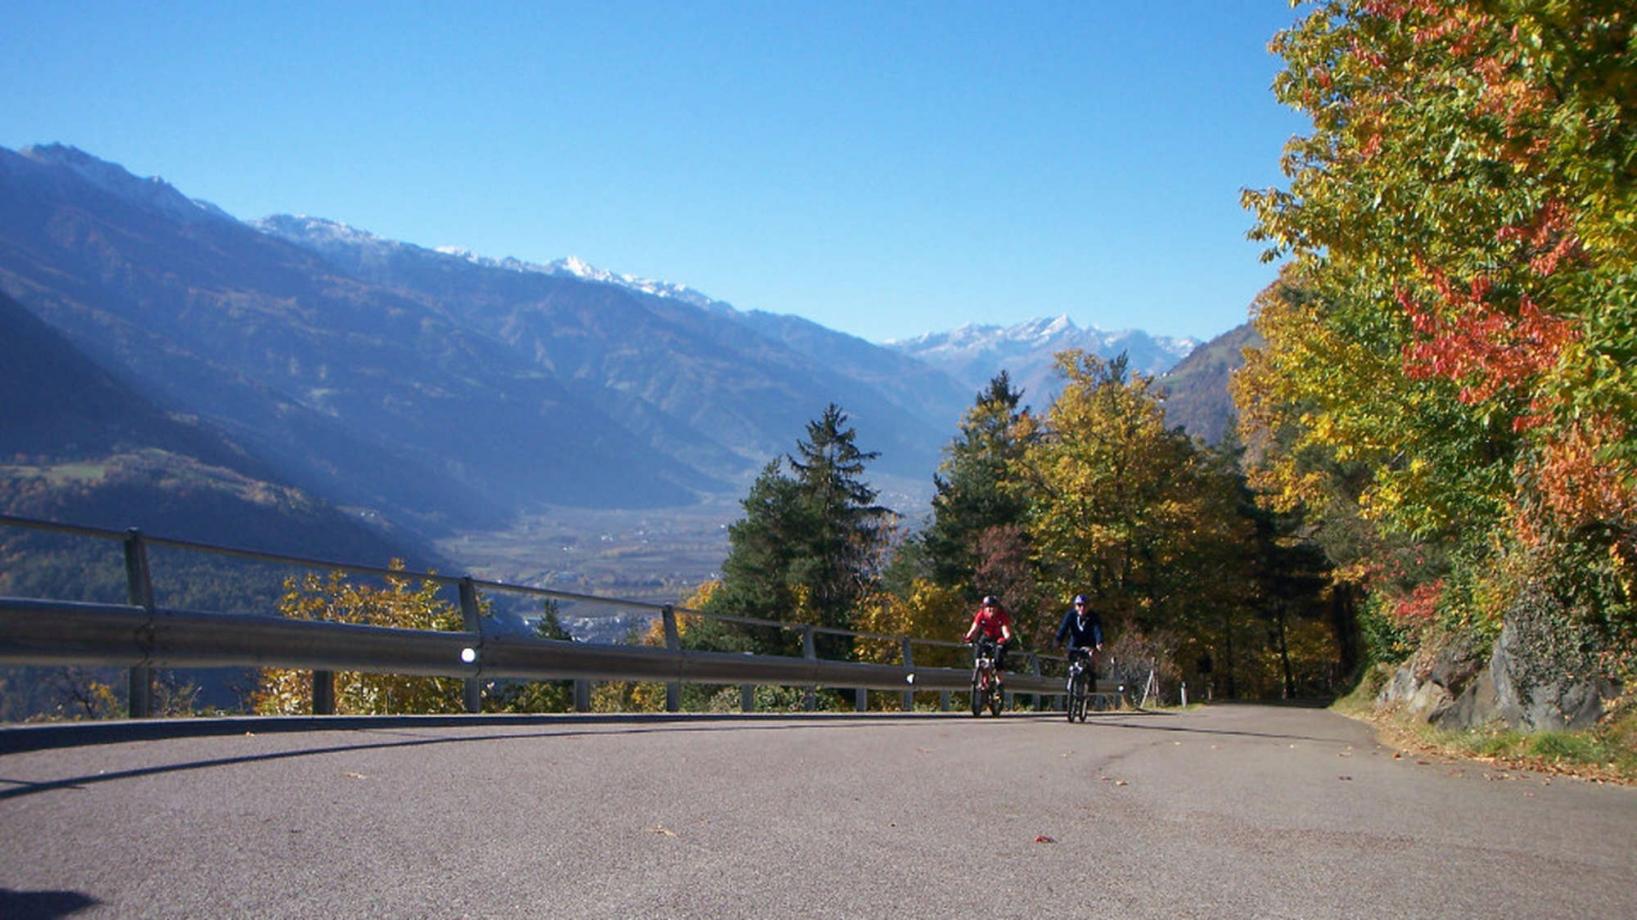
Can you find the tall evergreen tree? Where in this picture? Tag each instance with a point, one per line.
(971, 494)
(810, 543)
(848, 528)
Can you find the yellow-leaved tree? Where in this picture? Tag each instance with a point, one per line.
(1124, 509)
(402, 604)
(927, 611)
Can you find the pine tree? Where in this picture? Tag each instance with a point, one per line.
(809, 546)
(972, 497)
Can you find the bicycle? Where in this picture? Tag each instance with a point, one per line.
(986, 691)
(1079, 689)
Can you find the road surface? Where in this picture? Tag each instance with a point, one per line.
(1224, 812)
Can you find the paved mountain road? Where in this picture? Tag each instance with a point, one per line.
(1229, 811)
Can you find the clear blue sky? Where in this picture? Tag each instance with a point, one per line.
(883, 168)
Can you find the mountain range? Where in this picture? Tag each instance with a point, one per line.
(973, 353)
(81, 445)
(438, 389)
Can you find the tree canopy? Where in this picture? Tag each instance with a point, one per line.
(1447, 388)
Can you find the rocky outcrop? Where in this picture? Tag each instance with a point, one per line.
(1540, 675)
(1434, 682)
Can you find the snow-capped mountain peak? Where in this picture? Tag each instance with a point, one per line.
(578, 267)
(973, 353)
(321, 230)
(330, 236)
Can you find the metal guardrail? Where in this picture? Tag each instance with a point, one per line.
(141, 636)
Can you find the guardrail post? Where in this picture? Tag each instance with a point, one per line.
(810, 700)
(747, 697)
(472, 691)
(861, 699)
(673, 641)
(943, 700)
(1034, 668)
(323, 693)
(907, 701)
(139, 593)
(582, 695)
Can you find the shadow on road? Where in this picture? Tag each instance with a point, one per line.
(1195, 730)
(21, 738)
(42, 905)
(637, 725)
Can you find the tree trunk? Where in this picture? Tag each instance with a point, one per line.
(1284, 652)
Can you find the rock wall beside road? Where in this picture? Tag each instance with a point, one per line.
(1540, 674)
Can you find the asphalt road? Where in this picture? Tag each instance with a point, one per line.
(1231, 811)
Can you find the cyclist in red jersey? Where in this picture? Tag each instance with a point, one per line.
(993, 621)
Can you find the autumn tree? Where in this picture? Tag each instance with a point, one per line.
(925, 610)
(1122, 505)
(1454, 338)
(401, 604)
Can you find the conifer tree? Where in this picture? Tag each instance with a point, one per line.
(809, 546)
(972, 497)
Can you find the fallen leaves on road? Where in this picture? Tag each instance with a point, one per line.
(351, 775)
(662, 831)
(1042, 838)
(1344, 777)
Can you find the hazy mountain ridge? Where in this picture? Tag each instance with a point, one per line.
(358, 390)
(1196, 390)
(424, 384)
(350, 244)
(670, 368)
(81, 446)
(453, 390)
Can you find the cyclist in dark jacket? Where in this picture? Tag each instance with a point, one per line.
(1082, 628)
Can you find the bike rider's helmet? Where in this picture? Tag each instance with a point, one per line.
(1080, 599)
(989, 600)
